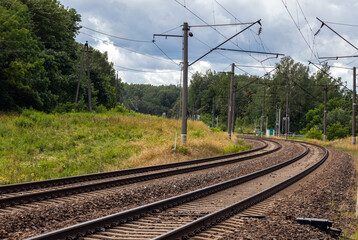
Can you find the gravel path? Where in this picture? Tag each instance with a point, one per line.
(19, 225)
(327, 193)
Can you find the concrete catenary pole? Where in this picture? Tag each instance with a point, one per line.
(88, 81)
(116, 90)
(279, 121)
(286, 119)
(354, 107)
(213, 112)
(80, 75)
(325, 114)
(263, 112)
(229, 116)
(185, 84)
(233, 112)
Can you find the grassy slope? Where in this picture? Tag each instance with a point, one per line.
(37, 146)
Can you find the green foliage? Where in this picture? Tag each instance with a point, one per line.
(154, 100)
(40, 62)
(314, 133)
(337, 130)
(236, 148)
(196, 134)
(182, 150)
(215, 129)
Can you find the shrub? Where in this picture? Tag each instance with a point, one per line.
(236, 148)
(336, 130)
(314, 133)
(197, 134)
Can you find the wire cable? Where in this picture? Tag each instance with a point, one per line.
(121, 38)
(165, 54)
(147, 71)
(289, 13)
(128, 49)
(212, 27)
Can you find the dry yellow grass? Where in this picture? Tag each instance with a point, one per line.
(157, 145)
(38, 146)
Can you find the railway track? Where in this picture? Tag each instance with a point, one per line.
(194, 213)
(19, 194)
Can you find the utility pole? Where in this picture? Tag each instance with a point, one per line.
(354, 107)
(233, 112)
(85, 49)
(263, 112)
(230, 101)
(286, 120)
(213, 112)
(116, 89)
(88, 81)
(185, 84)
(279, 121)
(80, 75)
(325, 114)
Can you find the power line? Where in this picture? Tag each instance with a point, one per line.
(306, 91)
(232, 60)
(225, 41)
(332, 78)
(324, 24)
(147, 71)
(221, 25)
(183, 5)
(247, 51)
(110, 35)
(289, 13)
(251, 31)
(343, 24)
(304, 16)
(333, 66)
(172, 29)
(165, 54)
(128, 49)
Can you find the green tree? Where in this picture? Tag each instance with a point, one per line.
(336, 130)
(23, 79)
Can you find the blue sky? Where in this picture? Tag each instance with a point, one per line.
(284, 30)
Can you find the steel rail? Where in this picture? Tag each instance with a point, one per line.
(92, 226)
(55, 193)
(201, 224)
(19, 187)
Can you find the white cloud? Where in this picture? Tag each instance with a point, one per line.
(140, 19)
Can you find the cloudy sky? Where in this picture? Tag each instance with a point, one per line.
(125, 30)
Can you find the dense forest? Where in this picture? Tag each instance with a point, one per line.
(40, 59)
(40, 64)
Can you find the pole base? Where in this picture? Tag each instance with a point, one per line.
(183, 139)
(324, 138)
(353, 140)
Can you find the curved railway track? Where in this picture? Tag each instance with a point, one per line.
(192, 213)
(18, 194)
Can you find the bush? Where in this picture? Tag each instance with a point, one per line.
(197, 134)
(64, 107)
(236, 148)
(216, 129)
(314, 133)
(336, 130)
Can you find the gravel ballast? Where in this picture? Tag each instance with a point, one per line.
(19, 225)
(328, 193)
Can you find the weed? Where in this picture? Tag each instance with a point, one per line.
(38, 146)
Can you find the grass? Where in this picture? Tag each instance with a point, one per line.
(38, 146)
(344, 145)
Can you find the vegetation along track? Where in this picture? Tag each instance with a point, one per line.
(191, 213)
(17, 194)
